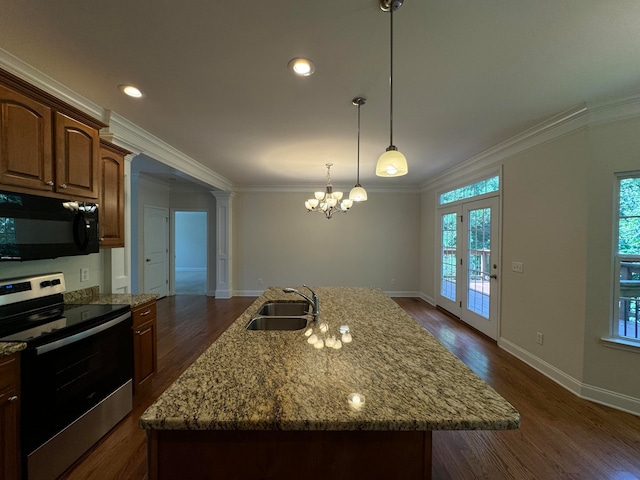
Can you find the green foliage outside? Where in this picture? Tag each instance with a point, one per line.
(629, 222)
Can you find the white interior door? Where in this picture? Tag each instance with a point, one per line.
(156, 250)
(469, 253)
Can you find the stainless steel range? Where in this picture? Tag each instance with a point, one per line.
(76, 370)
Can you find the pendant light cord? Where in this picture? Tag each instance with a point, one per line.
(358, 172)
(391, 80)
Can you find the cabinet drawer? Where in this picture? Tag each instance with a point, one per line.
(143, 314)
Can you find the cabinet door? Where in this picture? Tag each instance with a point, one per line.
(25, 142)
(111, 201)
(9, 418)
(77, 153)
(145, 357)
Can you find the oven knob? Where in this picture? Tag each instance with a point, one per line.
(46, 283)
(55, 281)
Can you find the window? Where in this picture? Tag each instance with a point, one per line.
(626, 323)
(487, 185)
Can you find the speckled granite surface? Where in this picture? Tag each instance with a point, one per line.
(7, 348)
(255, 380)
(91, 295)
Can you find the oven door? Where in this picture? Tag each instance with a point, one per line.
(66, 378)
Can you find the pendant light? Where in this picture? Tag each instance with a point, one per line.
(391, 163)
(357, 193)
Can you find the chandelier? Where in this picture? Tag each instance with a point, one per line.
(328, 202)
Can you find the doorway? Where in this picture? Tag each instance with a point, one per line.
(468, 257)
(190, 252)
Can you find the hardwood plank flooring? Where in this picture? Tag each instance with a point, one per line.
(561, 437)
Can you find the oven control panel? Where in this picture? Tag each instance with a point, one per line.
(13, 290)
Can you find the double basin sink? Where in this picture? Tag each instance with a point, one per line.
(281, 316)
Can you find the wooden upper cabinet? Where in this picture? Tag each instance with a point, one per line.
(47, 146)
(26, 158)
(77, 153)
(111, 201)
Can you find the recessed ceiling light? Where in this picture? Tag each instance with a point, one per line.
(131, 91)
(302, 67)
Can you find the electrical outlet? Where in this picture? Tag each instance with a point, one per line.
(260, 281)
(539, 338)
(517, 267)
(393, 281)
(84, 274)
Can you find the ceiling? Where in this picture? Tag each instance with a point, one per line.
(468, 75)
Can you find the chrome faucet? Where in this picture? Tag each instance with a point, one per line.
(314, 301)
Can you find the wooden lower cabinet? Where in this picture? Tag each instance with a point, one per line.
(288, 455)
(145, 341)
(10, 417)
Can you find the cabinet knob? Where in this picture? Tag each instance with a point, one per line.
(50, 183)
(64, 185)
(138, 332)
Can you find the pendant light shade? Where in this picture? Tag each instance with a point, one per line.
(357, 193)
(391, 163)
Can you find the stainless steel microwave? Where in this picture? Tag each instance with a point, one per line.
(33, 227)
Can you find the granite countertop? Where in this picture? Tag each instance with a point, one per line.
(266, 380)
(7, 348)
(91, 295)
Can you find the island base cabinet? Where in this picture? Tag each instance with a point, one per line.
(287, 455)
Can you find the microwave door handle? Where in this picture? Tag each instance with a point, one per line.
(80, 231)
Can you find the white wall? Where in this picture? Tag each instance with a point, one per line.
(277, 242)
(557, 218)
(69, 266)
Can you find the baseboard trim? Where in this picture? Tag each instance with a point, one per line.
(599, 395)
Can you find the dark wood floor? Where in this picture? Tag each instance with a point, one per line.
(561, 436)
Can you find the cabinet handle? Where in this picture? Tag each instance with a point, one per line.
(138, 332)
(13, 398)
(50, 183)
(145, 313)
(64, 185)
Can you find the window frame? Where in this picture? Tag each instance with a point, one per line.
(615, 339)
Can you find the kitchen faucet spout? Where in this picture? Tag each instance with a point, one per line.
(314, 300)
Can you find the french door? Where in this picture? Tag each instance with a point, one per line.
(468, 257)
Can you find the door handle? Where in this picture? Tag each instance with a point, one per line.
(148, 260)
(493, 276)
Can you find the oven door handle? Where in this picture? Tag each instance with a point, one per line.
(81, 335)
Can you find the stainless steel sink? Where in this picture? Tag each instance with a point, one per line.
(277, 323)
(284, 309)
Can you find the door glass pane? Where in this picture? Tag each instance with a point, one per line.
(478, 259)
(449, 255)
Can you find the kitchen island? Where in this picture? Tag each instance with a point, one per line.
(268, 404)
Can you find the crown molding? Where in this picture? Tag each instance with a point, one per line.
(318, 187)
(20, 69)
(592, 113)
(554, 127)
(142, 141)
(120, 131)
